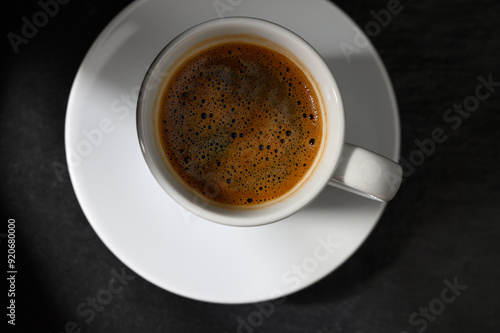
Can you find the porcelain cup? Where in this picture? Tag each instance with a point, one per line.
(338, 163)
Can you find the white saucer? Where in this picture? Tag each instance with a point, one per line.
(162, 242)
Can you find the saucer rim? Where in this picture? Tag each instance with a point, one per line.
(116, 21)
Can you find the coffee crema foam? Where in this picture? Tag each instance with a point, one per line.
(240, 123)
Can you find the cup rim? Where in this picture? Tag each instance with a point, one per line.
(233, 216)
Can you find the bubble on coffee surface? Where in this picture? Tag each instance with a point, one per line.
(233, 127)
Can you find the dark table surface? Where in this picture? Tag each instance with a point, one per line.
(431, 264)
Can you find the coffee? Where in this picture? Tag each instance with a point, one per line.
(240, 123)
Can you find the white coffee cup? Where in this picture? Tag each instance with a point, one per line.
(339, 164)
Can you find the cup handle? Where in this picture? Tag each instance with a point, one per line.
(366, 173)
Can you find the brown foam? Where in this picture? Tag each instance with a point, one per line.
(240, 123)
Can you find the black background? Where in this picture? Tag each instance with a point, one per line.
(443, 224)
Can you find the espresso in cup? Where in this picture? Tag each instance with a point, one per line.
(240, 123)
